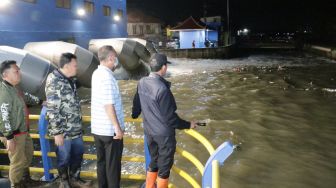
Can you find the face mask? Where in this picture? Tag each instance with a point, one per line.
(116, 62)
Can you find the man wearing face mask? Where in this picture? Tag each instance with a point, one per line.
(107, 119)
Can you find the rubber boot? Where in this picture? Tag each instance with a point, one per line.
(151, 179)
(26, 179)
(162, 183)
(64, 178)
(76, 181)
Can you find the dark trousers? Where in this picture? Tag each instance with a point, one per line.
(162, 150)
(70, 155)
(109, 152)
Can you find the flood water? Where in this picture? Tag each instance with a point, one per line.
(278, 107)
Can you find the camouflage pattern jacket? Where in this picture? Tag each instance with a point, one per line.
(14, 112)
(64, 111)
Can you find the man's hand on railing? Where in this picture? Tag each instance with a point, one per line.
(59, 140)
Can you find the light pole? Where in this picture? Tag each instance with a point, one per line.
(228, 19)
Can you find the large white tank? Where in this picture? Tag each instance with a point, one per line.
(87, 61)
(34, 69)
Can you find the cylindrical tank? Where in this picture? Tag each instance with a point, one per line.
(149, 45)
(87, 61)
(132, 55)
(34, 69)
(125, 53)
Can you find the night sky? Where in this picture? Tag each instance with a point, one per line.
(258, 15)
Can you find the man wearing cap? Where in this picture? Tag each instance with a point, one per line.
(14, 124)
(157, 104)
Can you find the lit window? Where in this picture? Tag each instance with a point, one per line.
(89, 6)
(120, 13)
(68, 40)
(63, 4)
(106, 10)
(30, 1)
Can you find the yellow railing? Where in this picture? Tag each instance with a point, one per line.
(215, 174)
(208, 146)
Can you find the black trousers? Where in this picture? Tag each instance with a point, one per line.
(109, 152)
(162, 150)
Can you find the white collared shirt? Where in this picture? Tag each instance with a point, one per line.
(105, 91)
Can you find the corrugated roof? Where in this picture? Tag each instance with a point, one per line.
(188, 24)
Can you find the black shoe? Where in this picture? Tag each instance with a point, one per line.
(33, 183)
(76, 181)
(80, 183)
(28, 181)
(64, 178)
(64, 183)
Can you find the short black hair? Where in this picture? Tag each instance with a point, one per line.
(66, 59)
(5, 65)
(104, 52)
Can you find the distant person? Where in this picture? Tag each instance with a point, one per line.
(14, 125)
(193, 44)
(207, 43)
(156, 102)
(107, 119)
(65, 121)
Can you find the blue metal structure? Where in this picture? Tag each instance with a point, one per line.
(221, 154)
(22, 22)
(45, 145)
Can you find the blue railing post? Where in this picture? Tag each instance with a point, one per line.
(45, 146)
(221, 154)
(147, 154)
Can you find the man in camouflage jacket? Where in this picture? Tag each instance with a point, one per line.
(65, 121)
(14, 124)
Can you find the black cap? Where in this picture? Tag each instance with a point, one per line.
(157, 60)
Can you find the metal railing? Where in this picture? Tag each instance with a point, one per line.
(209, 172)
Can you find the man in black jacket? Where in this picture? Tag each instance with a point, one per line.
(157, 103)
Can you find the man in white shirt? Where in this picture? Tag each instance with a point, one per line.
(107, 119)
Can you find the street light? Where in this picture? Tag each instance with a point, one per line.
(116, 18)
(81, 12)
(4, 3)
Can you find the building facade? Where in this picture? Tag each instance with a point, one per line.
(75, 21)
(144, 26)
(217, 29)
(191, 34)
